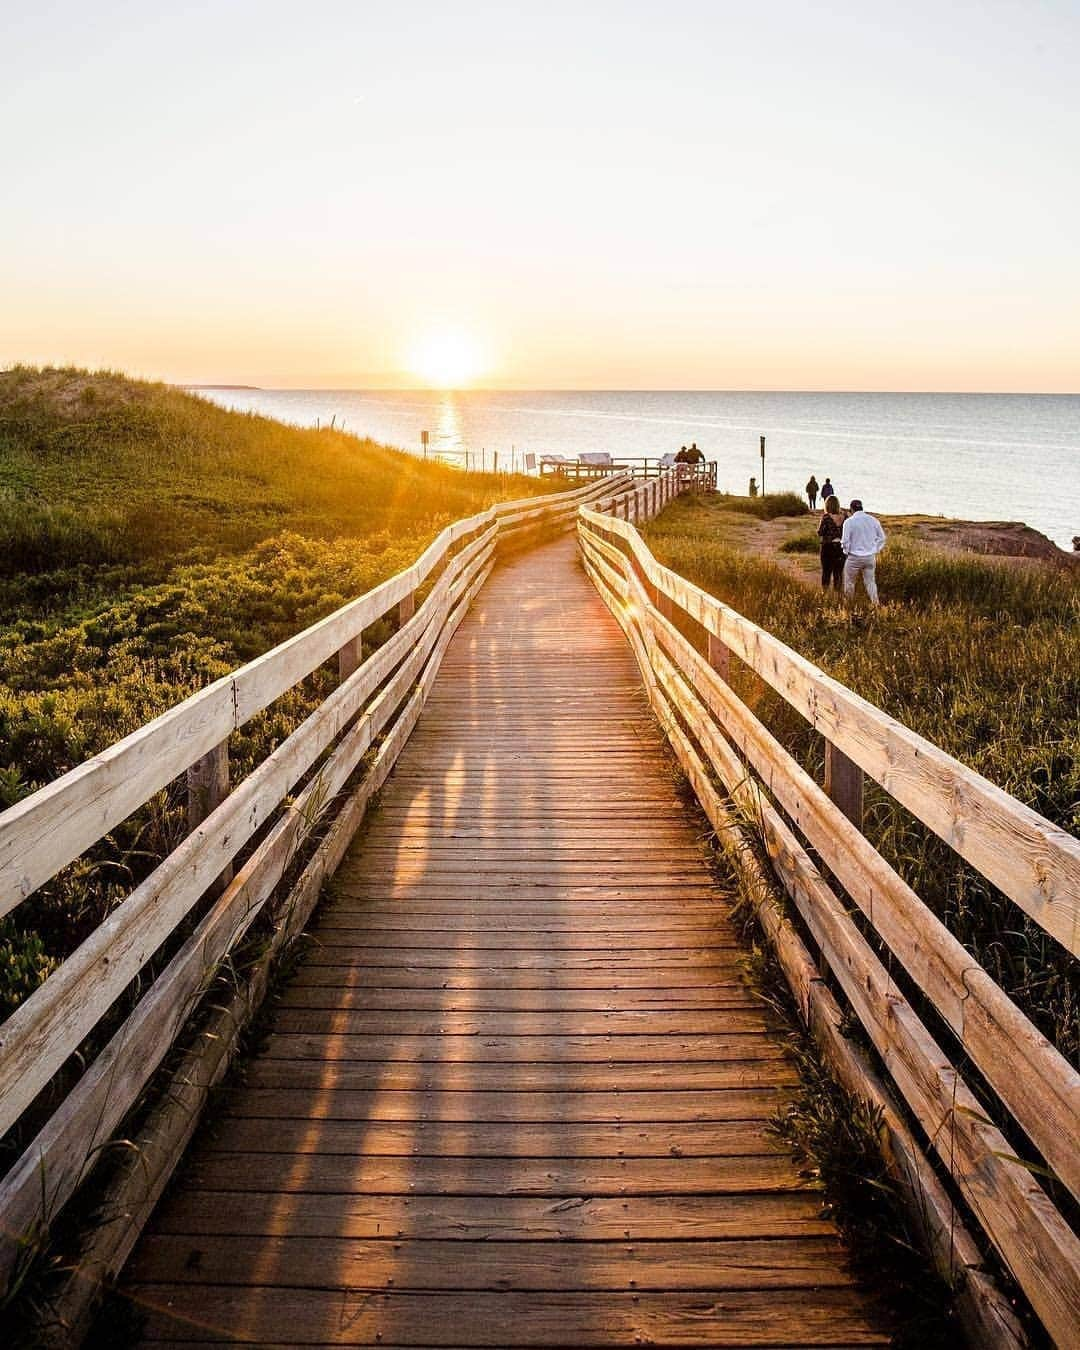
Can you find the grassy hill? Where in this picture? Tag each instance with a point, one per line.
(97, 469)
(149, 542)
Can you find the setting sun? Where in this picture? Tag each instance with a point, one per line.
(446, 360)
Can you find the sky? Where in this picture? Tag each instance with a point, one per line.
(761, 195)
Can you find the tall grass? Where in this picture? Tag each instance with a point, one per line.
(98, 468)
(767, 507)
(980, 657)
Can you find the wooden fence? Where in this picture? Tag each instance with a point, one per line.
(741, 773)
(700, 477)
(203, 898)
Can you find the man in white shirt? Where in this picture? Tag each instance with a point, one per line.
(862, 540)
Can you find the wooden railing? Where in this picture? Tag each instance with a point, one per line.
(205, 895)
(741, 774)
(700, 477)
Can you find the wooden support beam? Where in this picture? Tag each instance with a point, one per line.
(406, 609)
(350, 656)
(207, 784)
(844, 783)
(718, 655)
(207, 788)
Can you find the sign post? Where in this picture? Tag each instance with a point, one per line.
(424, 442)
(763, 466)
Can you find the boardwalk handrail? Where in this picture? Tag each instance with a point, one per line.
(717, 737)
(369, 713)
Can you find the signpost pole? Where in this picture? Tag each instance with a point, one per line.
(763, 466)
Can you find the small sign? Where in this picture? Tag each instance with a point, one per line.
(530, 462)
(423, 438)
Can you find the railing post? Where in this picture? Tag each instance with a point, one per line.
(350, 656)
(406, 609)
(844, 783)
(207, 784)
(719, 657)
(207, 788)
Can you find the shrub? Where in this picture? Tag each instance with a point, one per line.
(770, 506)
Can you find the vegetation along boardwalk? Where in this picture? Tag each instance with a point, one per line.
(517, 1092)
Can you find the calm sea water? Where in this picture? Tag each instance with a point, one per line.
(973, 456)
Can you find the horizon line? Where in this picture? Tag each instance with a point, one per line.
(598, 389)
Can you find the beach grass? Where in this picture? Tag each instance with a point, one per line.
(766, 507)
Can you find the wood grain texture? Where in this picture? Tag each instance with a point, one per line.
(517, 1092)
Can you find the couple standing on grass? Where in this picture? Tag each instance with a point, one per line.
(850, 543)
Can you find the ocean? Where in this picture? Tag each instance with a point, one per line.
(972, 456)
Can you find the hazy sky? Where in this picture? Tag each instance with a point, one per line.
(654, 195)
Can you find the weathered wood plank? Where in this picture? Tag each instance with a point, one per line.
(338, 1174)
(524, 1052)
(711, 1105)
(335, 1317)
(323, 968)
(487, 1218)
(536, 1025)
(765, 1263)
(482, 1139)
(664, 1072)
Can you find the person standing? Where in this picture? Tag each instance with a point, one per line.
(694, 455)
(862, 539)
(827, 489)
(830, 531)
(812, 492)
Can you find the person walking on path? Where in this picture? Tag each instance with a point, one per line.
(812, 492)
(862, 539)
(830, 531)
(827, 489)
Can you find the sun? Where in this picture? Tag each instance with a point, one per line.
(448, 359)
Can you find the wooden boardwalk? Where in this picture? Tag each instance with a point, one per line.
(516, 1092)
